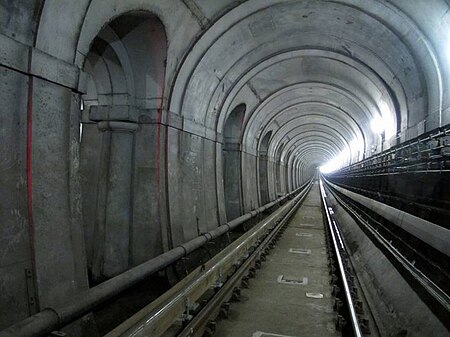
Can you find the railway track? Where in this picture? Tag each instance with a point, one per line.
(290, 275)
(424, 268)
(208, 300)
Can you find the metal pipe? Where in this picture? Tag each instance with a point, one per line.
(157, 320)
(51, 319)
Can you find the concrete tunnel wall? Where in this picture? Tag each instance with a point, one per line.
(158, 80)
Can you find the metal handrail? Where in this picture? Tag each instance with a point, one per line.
(337, 241)
(50, 319)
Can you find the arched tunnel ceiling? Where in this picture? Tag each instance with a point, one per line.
(394, 52)
(305, 69)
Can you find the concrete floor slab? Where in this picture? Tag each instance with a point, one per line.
(270, 308)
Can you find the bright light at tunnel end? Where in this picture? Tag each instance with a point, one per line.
(329, 167)
(354, 149)
(336, 163)
(380, 124)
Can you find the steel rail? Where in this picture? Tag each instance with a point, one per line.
(210, 310)
(439, 296)
(435, 235)
(50, 319)
(159, 316)
(337, 245)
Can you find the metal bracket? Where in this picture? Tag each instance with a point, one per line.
(31, 292)
(190, 307)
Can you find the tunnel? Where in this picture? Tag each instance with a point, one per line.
(225, 168)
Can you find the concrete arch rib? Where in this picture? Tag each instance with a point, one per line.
(64, 39)
(325, 144)
(319, 71)
(338, 135)
(351, 131)
(285, 166)
(312, 156)
(298, 60)
(111, 79)
(313, 94)
(69, 38)
(368, 10)
(291, 130)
